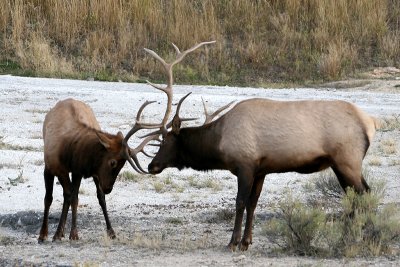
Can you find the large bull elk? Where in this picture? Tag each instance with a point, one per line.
(261, 136)
(74, 143)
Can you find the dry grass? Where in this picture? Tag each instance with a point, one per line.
(388, 146)
(375, 161)
(258, 41)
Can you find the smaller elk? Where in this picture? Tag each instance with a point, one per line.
(74, 143)
(261, 136)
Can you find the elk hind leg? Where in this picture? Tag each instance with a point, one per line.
(76, 182)
(66, 185)
(245, 183)
(349, 176)
(48, 199)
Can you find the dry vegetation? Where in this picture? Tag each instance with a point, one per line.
(257, 41)
(361, 227)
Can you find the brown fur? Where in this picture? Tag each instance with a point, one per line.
(261, 136)
(74, 143)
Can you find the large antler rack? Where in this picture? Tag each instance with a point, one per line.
(168, 68)
(131, 154)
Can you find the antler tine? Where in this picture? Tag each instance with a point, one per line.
(181, 55)
(210, 117)
(180, 103)
(140, 125)
(169, 124)
(140, 148)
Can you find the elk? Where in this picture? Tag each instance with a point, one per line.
(261, 136)
(74, 143)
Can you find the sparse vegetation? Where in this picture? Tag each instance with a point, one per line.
(6, 146)
(198, 183)
(375, 161)
(220, 216)
(391, 123)
(388, 146)
(174, 220)
(357, 227)
(258, 41)
(159, 186)
(19, 179)
(394, 162)
(129, 176)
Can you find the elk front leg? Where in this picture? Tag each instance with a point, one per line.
(250, 207)
(245, 183)
(102, 201)
(66, 185)
(48, 199)
(76, 182)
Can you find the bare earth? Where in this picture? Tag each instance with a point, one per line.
(175, 218)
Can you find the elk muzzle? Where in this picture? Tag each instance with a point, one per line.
(154, 168)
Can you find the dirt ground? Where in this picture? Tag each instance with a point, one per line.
(176, 218)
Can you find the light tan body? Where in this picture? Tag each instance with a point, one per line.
(282, 136)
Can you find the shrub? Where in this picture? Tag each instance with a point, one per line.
(296, 227)
(361, 228)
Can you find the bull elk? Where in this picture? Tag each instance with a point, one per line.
(261, 136)
(74, 143)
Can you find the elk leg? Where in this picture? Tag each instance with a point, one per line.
(250, 207)
(66, 185)
(245, 183)
(48, 199)
(102, 201)
(349, 177)
(367, 188)
(76, 182)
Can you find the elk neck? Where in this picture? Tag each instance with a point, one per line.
(83, 152)
(199, 148)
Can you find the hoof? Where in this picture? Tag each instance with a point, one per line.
(231, 247)
(244, 247)
(57, 237)
(41, 239)
(111, 234)
(74, 235)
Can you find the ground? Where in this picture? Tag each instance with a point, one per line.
(175, 218)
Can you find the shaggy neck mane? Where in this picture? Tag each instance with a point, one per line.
(198, 147)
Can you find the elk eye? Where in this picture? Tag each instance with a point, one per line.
(113, 163)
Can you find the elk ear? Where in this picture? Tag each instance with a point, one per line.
(176, 124)
(120, 135)
(104, 140)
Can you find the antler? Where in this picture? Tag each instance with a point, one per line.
(129, 153)
(210, 117)
(168, 68)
